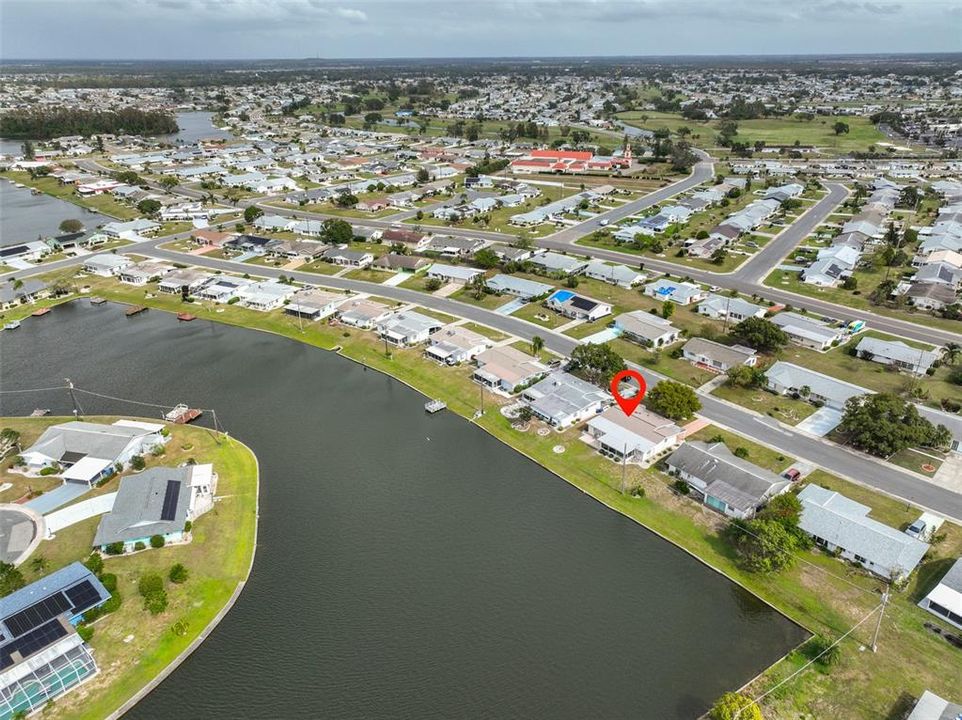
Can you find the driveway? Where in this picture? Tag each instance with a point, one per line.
(821, 422)
(80, 511)
(57, 497)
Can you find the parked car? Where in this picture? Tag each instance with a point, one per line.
(792, 474)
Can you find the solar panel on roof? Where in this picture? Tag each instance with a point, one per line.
(70, 457)
(35, 615)
(83, 596)
(169, 511)
(34, 641)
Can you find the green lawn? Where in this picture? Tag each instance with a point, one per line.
(321, 267)
(488, 332)
(540, 315)
(916, 461)
(762, 456)
(488, 300)
(784, 409)
(218, 559)
(369, 275)
(51, 186)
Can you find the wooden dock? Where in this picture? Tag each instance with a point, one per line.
(433, 406)
(135, 310)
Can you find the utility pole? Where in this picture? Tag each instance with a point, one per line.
(624, 467)
(73, 398)
(481, 388)
(878, 625)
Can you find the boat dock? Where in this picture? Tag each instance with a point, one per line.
(186, 317)
(97, 300)
(135, 310)
(433, 406)
(181, 415)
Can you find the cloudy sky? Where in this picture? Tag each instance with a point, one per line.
(246, 29)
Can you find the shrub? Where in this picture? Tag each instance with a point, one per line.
(180, 628)
(637, 491)
(158, 450)
(137, 462)
(85, 632)
(94, 563)
(233, 300)
(116, 548)
(111, 605)
(682, 487)
(187, 526)
(741, 452)
(156, 602)
(49, 470)
(156, 541)
(178, 574)
(109, 581)
(150, 583)
(138, 546)
(432, 284)
(818, 647)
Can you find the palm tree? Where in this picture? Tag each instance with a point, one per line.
(952, 352)
(537, 344)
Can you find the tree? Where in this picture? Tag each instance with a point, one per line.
(39, 564)
(883, 424)
(137, 462)
(952, 352)
(537, 345)
(148, 206)
(336, 231)
(745, 376)
(346, 200)
(71, 226)
(673, 400)
(597, 363)
(178, 574)
(785, 508)
(735, 706)
(486, 258)
(168, 182)
(667, 309)
(765, 545)
(840, 127)
(760, 334)
(682, 157)
(423, 175)
(251, 213)
(11, 579)
(432, 284)
(28, 150)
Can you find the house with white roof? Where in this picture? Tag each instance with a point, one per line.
(614, 274)
(455, 344)
(407, 328)
(716, 357)
(945, 599)
(555, 263)
(840, 525)
(313, 304)
(561, 399)
(517, 286)
(264, 296)
(505, 369)
(808, 331)
(683, 293)
(106, 265)
(897, 353)
(453, 273)
(735, 309)
(363, 313)
(646, 329)
(789, 379)
(637, 438)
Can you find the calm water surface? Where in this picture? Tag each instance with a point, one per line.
(194, 126)
(408, 566)
(25, 216)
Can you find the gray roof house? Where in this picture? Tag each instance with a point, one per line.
(158, 501)
(453, 273)
(839, 524)
(724, 482)
(550, 262)
(620, 275)
(505, 369)
(520, 287)
(807, 331)
(645, 328)
(945, 599)
(895, 352)
(363, 313)
(106, 264)
(932, 707)
(562, 399)
(455, 344)
(683, 293)
(717, 357)
(787, 378)
(638, 438)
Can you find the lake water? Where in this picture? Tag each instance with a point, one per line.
(195, 126)
(24, 216)
(408, 566)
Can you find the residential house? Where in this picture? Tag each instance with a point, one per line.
(716, 357)
(449, 246)
(788, 379)
(808, 331)
(314, 304)
(30, 291)
(264, 296)
(404, 263)
(897, 353)
(186, 281)
(735, 309)
(932, 707)
(453, 273)
(556, 264)
(159, 501)
(931, 296)
(945, 599)
(613, 274)
(723, 481)
(517, 286)
(455, 344)
(343, 255)
(363, 313)
(683, 293)
(223, 288)
(646, 329)
(413, 239)
(562, 399)
(577, 307)
(637, 438)
(41, 654)
(506, 369)
(86, 452)
(106, 265)
(841, 525)
(144, 272)
(130, 228)
(407, 328)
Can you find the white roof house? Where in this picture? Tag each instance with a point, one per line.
(520, 287)
(895, 352)
(614, 274)
(787, 378)
(505, 369)
(807, 331)
(453, 273)
(106, 264)
(683, 293)
(735, 308)
(645, 328)
(266, 295)
(945, 599)
(932, 707)
(407, 328)
(639, 438)
(562, 399)
(551, 262)
(456, 344)
(838, 523)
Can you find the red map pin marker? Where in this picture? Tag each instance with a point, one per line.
(630, 404)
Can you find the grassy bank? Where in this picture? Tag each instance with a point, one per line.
(131, 646)
(822, 594)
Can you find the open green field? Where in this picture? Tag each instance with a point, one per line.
(130, 645)
(823, 594)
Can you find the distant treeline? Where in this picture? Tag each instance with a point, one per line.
(46, 123)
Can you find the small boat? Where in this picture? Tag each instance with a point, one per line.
(181, 415)
(135, 310)
(12, 325)
(96, 300)
(41, 312)
(186, 317)
(433, 406)
(40, 412)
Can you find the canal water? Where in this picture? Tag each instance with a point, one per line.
(408, 566)
(24, 216)
(195, 126)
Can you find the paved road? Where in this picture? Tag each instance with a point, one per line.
(820, 453)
